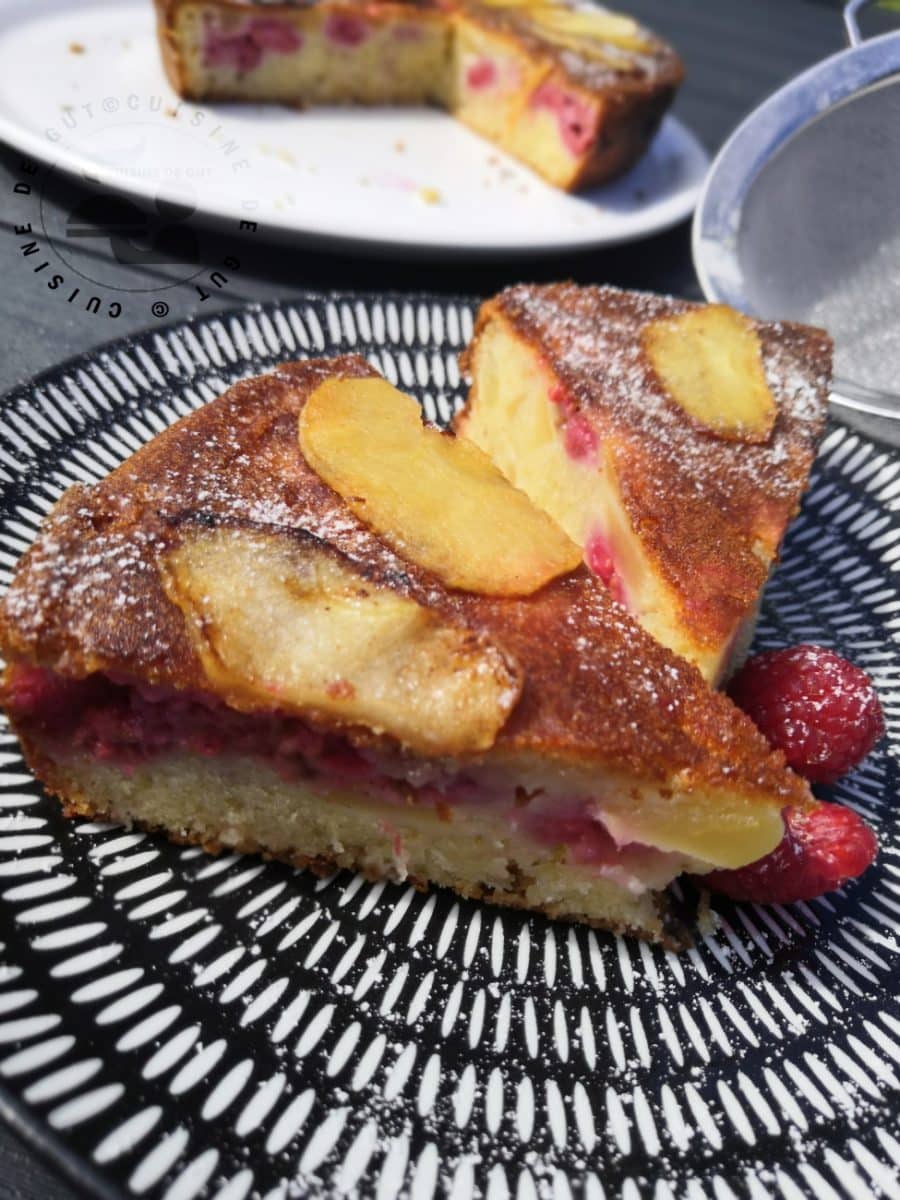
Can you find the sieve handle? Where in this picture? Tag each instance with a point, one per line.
(851, 8)
(847, 397)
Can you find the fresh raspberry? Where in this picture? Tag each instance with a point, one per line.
(822, 848)
(821, 710)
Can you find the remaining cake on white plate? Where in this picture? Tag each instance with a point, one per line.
(576, 92)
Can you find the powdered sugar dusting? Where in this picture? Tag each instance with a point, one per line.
(709, 512)
(592, 336)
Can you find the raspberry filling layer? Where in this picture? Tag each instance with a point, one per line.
(481, 74)
(127, 725)
(345, 29)
(579, 436)
(576, 118)
(245, 49)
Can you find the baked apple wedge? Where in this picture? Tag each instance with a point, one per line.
(709, 361)
(433, 498)
(310, 632)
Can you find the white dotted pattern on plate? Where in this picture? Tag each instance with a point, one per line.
(220, 1027)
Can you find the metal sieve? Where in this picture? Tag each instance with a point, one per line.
(799, 219)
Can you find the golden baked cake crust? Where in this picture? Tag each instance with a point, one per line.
(657, 65)
(709, 512)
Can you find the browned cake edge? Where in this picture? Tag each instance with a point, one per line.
(633, 102)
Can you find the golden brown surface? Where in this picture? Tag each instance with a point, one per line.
(596, 689)
(631, 72)
(710, 513)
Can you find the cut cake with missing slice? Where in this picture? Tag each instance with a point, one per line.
(589, 400)
(575, 92)
(213, 643)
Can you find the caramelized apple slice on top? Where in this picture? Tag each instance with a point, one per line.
(437, 500)
(709, 361)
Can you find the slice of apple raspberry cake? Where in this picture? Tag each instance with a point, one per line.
(671, 441)
(259, 634)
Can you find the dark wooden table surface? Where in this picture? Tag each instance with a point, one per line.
(737, 52)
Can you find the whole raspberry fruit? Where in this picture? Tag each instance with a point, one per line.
(821, 710)
(822, 848)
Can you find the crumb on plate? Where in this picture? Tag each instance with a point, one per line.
(707, 917)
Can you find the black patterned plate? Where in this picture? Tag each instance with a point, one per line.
(181, 1026)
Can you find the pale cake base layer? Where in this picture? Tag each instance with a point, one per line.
(239, 804)
(382, 70)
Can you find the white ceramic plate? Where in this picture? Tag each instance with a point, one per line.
(82, 88)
